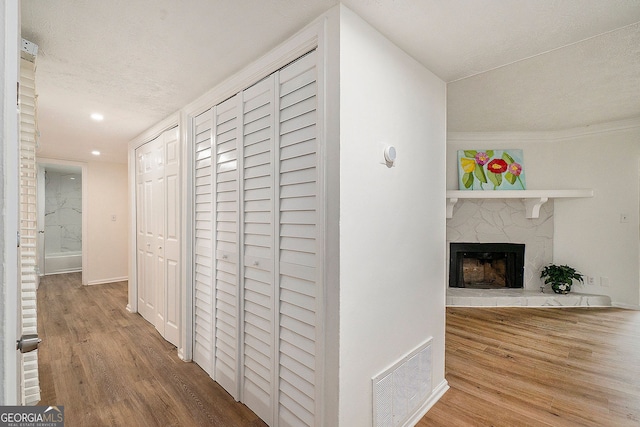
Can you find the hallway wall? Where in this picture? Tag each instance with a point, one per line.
(107, 238)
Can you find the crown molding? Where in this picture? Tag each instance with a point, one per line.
(545, 136)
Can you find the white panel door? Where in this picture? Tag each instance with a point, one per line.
(171, 248)
(158, 233)
(145, 240)
(258, 262)
(203, 293)
(299, 245)
(226, 213)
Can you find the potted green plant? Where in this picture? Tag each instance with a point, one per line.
(560, 277)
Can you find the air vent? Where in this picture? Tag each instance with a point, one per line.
(399, 391)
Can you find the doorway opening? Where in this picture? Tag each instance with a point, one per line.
(61, 217)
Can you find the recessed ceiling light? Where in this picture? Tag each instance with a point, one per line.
(95, 152)
(97, 117)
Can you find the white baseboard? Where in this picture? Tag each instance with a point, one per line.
(437, 393)
(109, 280)
(626, 306)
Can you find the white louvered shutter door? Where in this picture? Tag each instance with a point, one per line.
(227, 310)
(203, 311)
(258, 253)
(28, 229)
(299, 256)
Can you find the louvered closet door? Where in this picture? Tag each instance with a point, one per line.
(299, 253)
(258, 261)
(226, 220)
(256, 327)
(203, 311)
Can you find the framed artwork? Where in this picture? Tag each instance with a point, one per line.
(491, 170)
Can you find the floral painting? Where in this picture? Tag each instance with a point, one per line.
(491, 170)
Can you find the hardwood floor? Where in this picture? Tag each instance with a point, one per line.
(505, 366)
(109, 367)
(540, 367)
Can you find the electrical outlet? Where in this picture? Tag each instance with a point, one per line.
(591, 281)
(604, 282)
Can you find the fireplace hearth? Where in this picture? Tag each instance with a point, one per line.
(486, 265)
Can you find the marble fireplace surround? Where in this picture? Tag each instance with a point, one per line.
(505, 221)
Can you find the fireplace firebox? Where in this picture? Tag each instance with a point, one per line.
(486, 265)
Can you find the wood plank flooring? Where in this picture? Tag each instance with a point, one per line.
(505, 366)
(109, 367)
(540, 367)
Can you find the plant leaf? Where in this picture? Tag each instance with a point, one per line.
(495, 178)
(510, 177)
(470, 153)
(479, 172)
(506, 157)
(490, 153)
(467, 180)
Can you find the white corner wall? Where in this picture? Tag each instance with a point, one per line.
(588, 233)
(107, 240)
(392, 220)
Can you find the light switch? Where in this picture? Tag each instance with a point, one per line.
(113, 217)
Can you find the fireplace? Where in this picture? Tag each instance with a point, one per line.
(486, 265)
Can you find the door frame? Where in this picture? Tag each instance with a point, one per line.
(43, 161)
(10, 323)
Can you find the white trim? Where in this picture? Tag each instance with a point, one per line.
(626, 306)
(110, 280)
(10, 393)
(329, 90)
(185, 345)
(556, 135)
(437, 393)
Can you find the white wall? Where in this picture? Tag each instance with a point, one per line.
(107, 240)
(392, 220)
(588, 233)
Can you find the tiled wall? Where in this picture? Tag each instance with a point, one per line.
(63, 212)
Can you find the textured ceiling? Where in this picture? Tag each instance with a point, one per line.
(594, 81)
(513, 65)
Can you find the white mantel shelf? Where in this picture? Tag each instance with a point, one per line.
(532, 199)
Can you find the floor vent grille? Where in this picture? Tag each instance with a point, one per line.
(399, 391)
